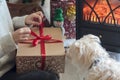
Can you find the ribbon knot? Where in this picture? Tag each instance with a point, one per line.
(47, 37)
(41, 38)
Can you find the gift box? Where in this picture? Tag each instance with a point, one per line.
(69, 17)
(29, 57)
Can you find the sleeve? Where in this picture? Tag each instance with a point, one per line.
(7, 44)
(19, 22)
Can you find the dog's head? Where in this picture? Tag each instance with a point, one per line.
(85, 50)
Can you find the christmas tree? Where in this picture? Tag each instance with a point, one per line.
(58, 15)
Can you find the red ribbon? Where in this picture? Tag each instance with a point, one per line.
(42, 40)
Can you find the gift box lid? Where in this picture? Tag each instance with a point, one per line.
(51, 49)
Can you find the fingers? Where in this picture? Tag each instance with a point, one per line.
(34, 18)
(24, 34)
(38, 16)
(37, 19)
(24, 30)
(36, 23)
(23, 38)
(40, 13)
(21, 34)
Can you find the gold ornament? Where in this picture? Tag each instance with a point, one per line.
(71, 12)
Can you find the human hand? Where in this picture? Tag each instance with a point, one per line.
(21, 34)
(34, 18)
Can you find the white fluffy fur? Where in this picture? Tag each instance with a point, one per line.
(83, 54)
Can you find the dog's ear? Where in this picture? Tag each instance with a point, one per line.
(93, 37)
(80, 46)
(77, 44)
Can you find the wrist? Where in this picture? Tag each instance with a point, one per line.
(19, 21)
(25, 20)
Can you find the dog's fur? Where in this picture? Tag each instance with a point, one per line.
(91, 60)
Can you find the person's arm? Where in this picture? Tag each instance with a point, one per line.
(32, 19)
(23, 33)
(7, 44)
(19, 22)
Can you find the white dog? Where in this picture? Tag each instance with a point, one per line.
(91, 60)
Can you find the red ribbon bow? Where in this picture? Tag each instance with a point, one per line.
(41, 37)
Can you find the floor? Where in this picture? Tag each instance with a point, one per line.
(69, 74)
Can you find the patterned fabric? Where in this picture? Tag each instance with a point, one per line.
(69, 25)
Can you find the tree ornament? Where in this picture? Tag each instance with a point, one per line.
(58, 19)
